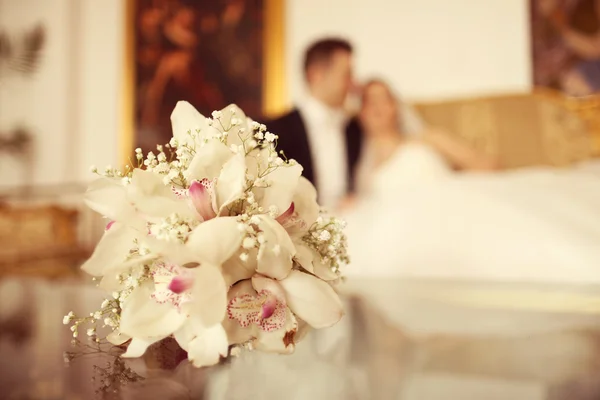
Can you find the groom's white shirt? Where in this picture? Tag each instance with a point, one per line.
(325, 128)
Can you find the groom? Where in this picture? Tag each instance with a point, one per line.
(316, 133)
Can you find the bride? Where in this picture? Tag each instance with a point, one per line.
(413, 216)
(388, 149)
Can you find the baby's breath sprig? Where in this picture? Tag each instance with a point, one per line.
(108, 315)
(327, 238)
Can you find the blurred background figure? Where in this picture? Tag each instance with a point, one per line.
(316, 133)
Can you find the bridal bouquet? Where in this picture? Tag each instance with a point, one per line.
(216, 241)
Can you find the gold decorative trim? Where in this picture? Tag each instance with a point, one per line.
(574, 141)
(127, 137)
(517, 299)
(274, 84)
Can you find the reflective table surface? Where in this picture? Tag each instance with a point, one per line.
(366, 356)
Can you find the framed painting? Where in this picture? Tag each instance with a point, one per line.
(566, 45)
(209, 52)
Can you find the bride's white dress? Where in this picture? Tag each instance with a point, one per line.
(419, 219)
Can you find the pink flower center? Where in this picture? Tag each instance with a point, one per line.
(171, 284)
(181, 283)
(291, 219)
(201, 194)
(263, 309)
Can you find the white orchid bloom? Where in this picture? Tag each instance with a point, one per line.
(282, 183)
(153, 199)
(112, 250)
(205, 346)
(275, 254)
(297, 220)
(217, 179)
(185, 119)
(232, 122)
(212, 242)
(235, 269)
(187, 303)
(147, 321)
(265, 309)
(108, 197)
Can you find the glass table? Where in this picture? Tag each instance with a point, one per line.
(425, 340)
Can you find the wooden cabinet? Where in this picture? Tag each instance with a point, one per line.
(39, 240)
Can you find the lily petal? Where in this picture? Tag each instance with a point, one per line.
(275, 254)
(312, 299)
(215, 241)
(111, 251)
(231, 182)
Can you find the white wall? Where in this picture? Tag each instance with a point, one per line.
(72, 104)
(425, 48)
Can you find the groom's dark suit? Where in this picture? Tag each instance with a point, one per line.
(293, 140)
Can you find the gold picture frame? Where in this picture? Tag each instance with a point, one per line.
(274, 87)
